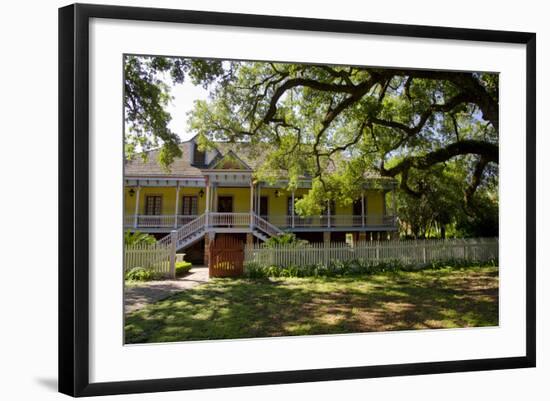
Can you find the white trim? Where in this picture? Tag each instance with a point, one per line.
(363, 208)
(227, 172)
(136, 211)
(328, 213)
(176, 206)
(251, 202)
(228, 154)
(292, 208)
(199, 181)
(164, 182)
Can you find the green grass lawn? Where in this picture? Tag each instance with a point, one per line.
(240, 308)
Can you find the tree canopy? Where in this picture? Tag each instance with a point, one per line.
(436, 132)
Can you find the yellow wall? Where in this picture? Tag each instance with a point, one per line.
(275, 205)
(241, 200)
(278, 205)
(374, 202)
(168, 199)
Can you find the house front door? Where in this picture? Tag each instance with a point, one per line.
(357, 213)
(263, 207)
(225, 204)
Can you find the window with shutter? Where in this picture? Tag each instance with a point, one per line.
(189, 205)
(332, 208)
(153, 205)
(357, 207)
(198, 156)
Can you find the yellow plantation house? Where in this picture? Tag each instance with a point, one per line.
(214, 192)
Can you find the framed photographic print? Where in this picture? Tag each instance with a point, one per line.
(250, 199)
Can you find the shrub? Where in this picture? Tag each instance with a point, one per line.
(141, 274)
(138, 238)
(288, 239)
(182, 268)
(337, 268)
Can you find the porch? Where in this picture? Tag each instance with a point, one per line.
(233, 202)
(242, 222)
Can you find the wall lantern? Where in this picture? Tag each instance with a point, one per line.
(277, 193)
(131, 192)
(201, 193)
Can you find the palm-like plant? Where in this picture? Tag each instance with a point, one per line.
(138, 238)
(288, 239)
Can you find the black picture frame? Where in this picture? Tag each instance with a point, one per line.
(74, 198)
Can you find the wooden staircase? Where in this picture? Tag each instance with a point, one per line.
(196, 229)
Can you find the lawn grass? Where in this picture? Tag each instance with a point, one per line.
(242, 308)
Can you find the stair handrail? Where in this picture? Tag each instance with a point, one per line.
(265, 226)
(200, 223)
(185, 231)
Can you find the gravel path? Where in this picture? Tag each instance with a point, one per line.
(138, 295)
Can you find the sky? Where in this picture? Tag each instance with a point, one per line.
(184, 96)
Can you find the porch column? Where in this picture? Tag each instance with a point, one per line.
(251, 203)
(326, 246)
(328, 213)
(173, 241)
(363, 209)
(136, 211)
(258, 199)
(207, 204)
(292, 208)
(249, 240)
(394, 203)
(177, 204)
(251, 197)
(214, 196)
(207, 240)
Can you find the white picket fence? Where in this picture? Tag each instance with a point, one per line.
(406, 251)
(155, 257)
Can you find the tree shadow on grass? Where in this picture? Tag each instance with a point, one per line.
(230, 309)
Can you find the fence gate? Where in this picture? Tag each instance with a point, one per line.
(226, 257)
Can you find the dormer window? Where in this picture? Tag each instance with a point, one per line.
(198, 156)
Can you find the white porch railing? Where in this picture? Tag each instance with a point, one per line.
(216, 219)
(265, 226)
(324, 221)
(237, 220)
(185, 231)
(157, 221)
(185, 219)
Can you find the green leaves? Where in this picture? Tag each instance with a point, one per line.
(138, 238)
(287, 239)
(331, 124)
(146, 96)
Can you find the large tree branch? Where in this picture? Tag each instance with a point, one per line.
(338, 74)
(305, 82)
(466, 82)
(334, 112)
(404, 185)
(488, 151)
(424, 117)
(475, 181)
(357, 137)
